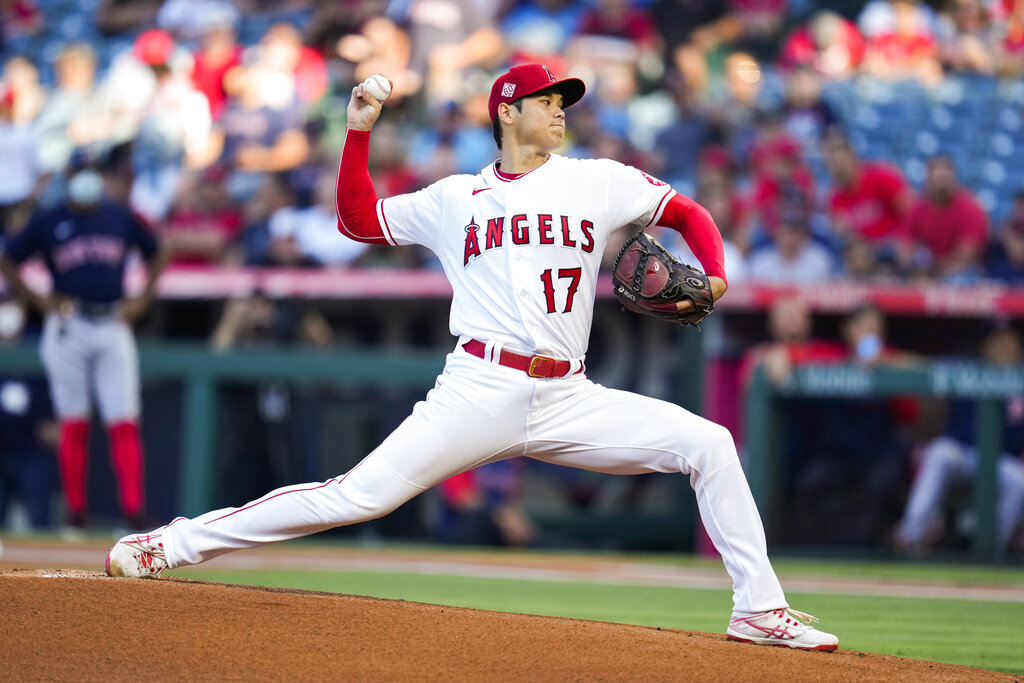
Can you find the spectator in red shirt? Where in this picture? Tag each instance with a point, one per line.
(829, 44)
(780, 175)
(866, 199)
(790, 325)
(204, 225)
(946, 229)
(282, 53)
(620, 19)
(219, 52)
(614, 32)
(717, 178)
(900, 41)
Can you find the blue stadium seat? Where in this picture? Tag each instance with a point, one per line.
(866, 116)
(988, 197)
(914, 168)
(978, 87)
(995, 183)
(1011, 91)
(73, 26)
(926, 143)
(1009, 118)
(839, 94)
(1002, 146)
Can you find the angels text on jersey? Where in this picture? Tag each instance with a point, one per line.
(547, 229)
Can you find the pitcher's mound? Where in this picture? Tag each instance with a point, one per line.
(81, 625)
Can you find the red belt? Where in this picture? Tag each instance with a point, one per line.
(534, 366)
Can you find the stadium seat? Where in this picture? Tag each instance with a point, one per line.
(866, 116)
(1003, 146)
(914, 168)
(1009, 118)
(1011, 91)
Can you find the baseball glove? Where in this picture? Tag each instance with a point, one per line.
(651, 281)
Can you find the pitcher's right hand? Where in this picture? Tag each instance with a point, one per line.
(363, 109)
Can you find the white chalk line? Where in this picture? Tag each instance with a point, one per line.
(606, 573)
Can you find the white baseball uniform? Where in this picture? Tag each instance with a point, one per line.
(522, 254)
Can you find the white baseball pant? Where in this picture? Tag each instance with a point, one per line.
(946, 461)
(480, 412)
(86, 357)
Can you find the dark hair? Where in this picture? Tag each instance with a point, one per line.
(518, 104)
(496, 124)
(940, 159)
(862, 309)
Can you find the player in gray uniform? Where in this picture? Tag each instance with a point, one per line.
(521, 243)
(88, 347)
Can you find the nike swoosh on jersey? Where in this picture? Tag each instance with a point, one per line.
(482, 189)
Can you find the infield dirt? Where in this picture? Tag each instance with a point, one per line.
(76, 625)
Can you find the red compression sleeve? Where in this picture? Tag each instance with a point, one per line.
(127, 456)
(694, 223)
(356, 199)
(72, 459)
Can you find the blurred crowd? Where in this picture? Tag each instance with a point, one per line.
(870, 140)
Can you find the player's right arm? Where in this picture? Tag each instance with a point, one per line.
(356, 198)
(362, 216)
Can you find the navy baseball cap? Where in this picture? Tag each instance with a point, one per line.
(86, 156)
(526, 79)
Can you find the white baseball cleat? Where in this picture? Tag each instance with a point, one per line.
(781, 627)
(137, 556)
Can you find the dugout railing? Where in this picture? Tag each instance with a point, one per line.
(986, 384)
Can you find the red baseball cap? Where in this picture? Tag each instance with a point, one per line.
(154, 47)
(526, 79)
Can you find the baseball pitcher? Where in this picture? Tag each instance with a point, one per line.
(521, 242)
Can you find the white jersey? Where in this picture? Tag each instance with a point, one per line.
(523, 255)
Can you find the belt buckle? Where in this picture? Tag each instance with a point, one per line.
(541, 366)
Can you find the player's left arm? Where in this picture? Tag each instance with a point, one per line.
(644, 201)
(156, 256)
(694, 223)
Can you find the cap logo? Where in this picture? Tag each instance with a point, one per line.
(551, 76)
(508, 89)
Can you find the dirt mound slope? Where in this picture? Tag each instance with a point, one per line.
(81, 625)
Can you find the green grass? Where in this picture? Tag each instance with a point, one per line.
(986, 635)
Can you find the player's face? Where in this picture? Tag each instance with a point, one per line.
(542, 122)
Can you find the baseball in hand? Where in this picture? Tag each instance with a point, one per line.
(378, 87)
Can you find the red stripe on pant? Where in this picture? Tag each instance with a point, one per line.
(127, 458)
(72, 459)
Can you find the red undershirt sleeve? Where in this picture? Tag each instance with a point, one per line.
(694, 223)
(356, 199)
